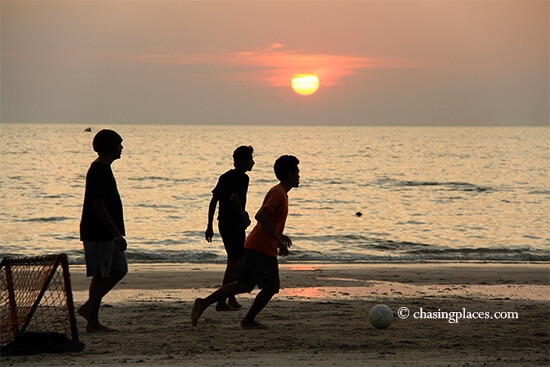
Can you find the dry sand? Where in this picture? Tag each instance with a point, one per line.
(320, 318)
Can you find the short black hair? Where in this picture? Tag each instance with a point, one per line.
(242, 153)
(105, 141)
(285, 165)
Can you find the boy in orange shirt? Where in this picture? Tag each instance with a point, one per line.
(260, 266)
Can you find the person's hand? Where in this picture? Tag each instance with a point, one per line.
(284, 243)
(121, 243)
(209, 234)
(246, 221)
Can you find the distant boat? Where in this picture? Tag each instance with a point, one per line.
(88, 129)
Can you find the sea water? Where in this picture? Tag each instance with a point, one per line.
(367, 194)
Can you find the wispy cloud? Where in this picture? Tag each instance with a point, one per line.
(275, 65)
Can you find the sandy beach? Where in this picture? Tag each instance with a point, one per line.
(320, 318)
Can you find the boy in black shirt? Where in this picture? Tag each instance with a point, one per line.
(233, 219)
(102, 228)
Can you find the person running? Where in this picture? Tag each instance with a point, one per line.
(233, 219)
(260, 265)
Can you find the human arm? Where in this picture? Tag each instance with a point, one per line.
(283, 242)
(236, 204)
(105, 218)
(209, 233)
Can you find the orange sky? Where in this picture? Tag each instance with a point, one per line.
(275, 66)
(217, 62)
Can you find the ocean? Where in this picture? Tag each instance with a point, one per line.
(367, 194)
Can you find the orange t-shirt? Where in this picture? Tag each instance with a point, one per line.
(276, 201)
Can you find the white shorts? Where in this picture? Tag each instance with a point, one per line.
(102, 257)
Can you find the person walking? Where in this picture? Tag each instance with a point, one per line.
(102, 228)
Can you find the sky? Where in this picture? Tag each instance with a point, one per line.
(391, 62)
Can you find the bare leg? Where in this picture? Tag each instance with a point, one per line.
(261, 300)
(229, 276)
(99, 287)
(233, 269)
(225, 291)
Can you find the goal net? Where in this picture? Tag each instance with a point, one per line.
(36, 296)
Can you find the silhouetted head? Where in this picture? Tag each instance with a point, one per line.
(106, 141)
(285, 166)
(242, 153)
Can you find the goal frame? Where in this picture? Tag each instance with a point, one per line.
(59, 260)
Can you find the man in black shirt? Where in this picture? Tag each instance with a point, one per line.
(233, 219)
(102, 228)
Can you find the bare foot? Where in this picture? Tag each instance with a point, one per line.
(99, 329)
(196, 313)
(83, 311)
(253, 325)
(222, 306)
(233, 303)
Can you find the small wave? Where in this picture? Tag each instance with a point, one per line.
(458, 186)
(176, 257)
(363, 248)
(464, 186)
(165, 179)
(165, 242)
(155, 206)
(539, 192)
(151, 178)
(379, 254)
(45, 219)
(478, 254)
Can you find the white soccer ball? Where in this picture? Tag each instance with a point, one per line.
(380, 316)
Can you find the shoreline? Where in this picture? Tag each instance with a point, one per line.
(320, 317)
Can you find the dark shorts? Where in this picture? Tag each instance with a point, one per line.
(104, 257)
(233, 241)
(261, 270)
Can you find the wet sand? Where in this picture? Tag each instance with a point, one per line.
(320, 318)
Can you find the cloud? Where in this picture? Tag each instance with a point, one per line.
(275, 65)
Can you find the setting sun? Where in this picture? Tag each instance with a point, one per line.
(305, 84)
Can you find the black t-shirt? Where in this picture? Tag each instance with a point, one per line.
(100, 184)
(230, 182)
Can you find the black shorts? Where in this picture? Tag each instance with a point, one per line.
(261, 270)
(233, 240)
